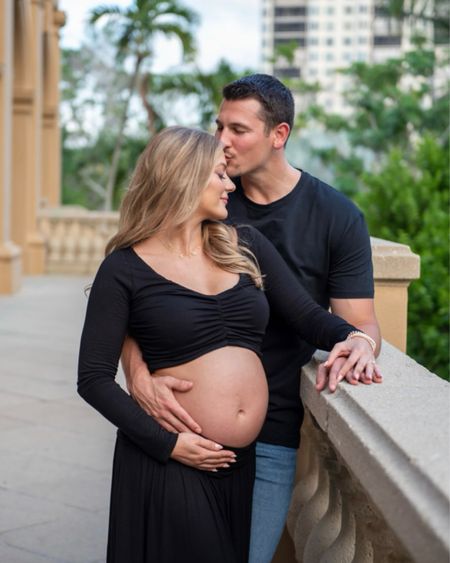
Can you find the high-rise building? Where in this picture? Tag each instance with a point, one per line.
(331, 34)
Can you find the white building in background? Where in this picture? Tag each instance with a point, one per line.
(330, 35)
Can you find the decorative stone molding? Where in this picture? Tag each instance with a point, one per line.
(59, 18)
(393, 261)
(374, 484)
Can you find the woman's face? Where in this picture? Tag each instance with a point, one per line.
(214, 198)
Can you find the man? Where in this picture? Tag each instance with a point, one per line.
(323, 238)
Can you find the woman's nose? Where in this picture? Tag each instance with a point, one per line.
(230, 186)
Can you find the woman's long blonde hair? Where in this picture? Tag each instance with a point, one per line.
(165, 189)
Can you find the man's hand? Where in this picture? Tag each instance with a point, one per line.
(155, 395)
(201, 453)
(352, 361)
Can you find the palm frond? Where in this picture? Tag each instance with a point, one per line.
(174, 8)
(102, 11)
(126, 36)
(173, 29)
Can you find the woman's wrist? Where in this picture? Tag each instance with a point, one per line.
(360, 334)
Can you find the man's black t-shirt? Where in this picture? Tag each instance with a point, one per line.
(323, 238)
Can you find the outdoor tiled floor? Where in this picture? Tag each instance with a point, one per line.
(55, 450)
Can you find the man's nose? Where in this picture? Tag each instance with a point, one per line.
(224, 137)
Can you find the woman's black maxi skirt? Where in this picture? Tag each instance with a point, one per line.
(172, 513)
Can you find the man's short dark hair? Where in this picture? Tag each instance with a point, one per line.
(275, 98)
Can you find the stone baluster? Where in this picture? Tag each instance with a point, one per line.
(56, 242)
(315, 508)
(85, 245)
(331, 518)
(307, 474)
(328, 528)
(70, 244)
(344, 546)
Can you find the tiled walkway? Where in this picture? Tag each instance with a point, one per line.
(55, 450)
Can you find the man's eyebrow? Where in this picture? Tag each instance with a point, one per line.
(233, 124)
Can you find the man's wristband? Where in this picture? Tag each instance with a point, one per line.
(359, 334)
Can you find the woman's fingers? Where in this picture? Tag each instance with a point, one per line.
(353, 362)
(377, 376)
(339, 349)
(364, 369)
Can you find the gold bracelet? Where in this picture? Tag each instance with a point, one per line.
(360, 334)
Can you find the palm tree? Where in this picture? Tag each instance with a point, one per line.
(135, 28)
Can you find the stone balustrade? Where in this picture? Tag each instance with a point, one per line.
(372, 476)
(75, 238)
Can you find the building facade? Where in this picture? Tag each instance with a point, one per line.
(30, 152)
(331, 34)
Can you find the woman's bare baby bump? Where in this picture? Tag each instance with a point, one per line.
(229, 394)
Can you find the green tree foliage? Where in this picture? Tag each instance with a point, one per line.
(393, 159)
(407, 201)
(91, 102)
(85, 169)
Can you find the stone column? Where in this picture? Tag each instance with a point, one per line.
(27, 136)
(395, 267)
(10, 255)
(51, 138)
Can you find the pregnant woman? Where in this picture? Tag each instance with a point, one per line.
(195, 295)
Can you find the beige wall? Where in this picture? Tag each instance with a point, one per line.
(29, 133)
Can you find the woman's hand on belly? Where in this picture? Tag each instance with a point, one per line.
(201, 453)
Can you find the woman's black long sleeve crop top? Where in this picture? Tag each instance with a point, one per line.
(174, 325)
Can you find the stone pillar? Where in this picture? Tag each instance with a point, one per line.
(51, 137)
(27, 136)
(10, 255)
(395, 266)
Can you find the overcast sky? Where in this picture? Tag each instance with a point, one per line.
(228, 29)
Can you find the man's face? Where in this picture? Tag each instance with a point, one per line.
(247, 145)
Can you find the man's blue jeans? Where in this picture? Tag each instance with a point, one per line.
(275, 474)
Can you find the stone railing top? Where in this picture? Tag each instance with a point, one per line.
(393, 261)
(77, 212)
(394, 438)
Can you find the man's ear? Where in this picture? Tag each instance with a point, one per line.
(281, 134)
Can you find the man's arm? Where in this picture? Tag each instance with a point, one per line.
(361, 314)
(155, 394)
